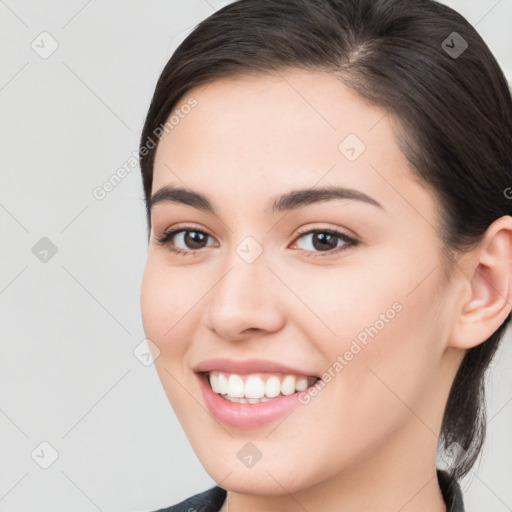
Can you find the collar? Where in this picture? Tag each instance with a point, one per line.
(213, 498)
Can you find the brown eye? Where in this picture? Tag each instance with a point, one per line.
(184, 241)
(194, 239)
(325, 241)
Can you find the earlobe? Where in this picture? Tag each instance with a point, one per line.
(489, 277)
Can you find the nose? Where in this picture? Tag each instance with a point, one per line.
(245, 300)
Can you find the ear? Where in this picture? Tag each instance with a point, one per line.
(488, 280)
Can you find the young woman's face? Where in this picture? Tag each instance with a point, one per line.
(277, 280)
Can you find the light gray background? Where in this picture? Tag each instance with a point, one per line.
(69, 376)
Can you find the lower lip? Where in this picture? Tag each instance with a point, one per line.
(246, 415)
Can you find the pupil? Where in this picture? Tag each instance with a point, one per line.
(194, 237)
(323, 237)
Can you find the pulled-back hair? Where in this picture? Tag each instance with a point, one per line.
(452, 103)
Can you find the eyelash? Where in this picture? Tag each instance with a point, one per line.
(167, 236)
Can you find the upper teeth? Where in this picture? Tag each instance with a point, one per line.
(255, 386)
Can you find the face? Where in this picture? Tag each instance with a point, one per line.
(339, 287)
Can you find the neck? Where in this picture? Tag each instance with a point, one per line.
(402, 476)
(399, 475)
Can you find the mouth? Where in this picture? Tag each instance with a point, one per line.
(240, 400)
(256, 388)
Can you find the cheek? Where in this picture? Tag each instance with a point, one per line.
(383, 344)
(166, 300)
(337, 304)
(152, 303)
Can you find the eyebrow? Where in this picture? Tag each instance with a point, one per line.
(285, 202)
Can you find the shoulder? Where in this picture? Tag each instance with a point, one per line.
(210, 500)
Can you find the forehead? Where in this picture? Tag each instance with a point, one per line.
(277, 110)
(264, 134)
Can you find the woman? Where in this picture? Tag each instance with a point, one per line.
(329, 264)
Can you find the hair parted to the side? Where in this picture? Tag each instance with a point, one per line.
(455, 118)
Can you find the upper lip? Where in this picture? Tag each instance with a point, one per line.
(249, 366)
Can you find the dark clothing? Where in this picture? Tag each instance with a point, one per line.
(212, 499)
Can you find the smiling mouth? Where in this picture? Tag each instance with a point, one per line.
(257, 387)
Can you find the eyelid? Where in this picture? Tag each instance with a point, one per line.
(341, 231)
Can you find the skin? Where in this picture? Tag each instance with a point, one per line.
(368, 440)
